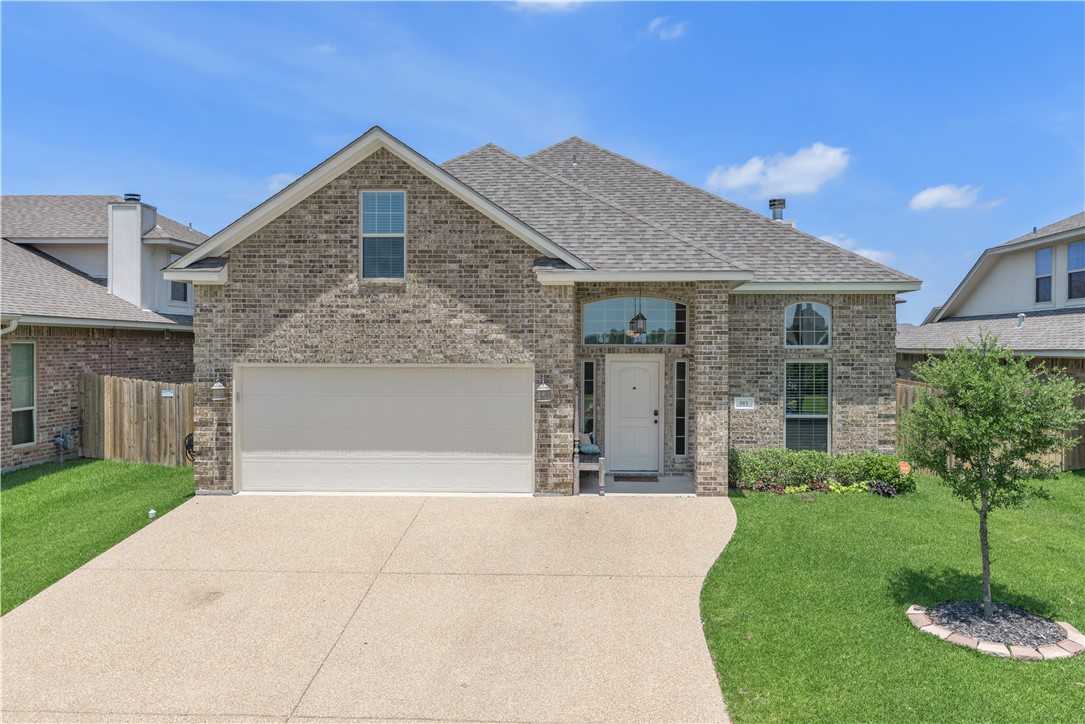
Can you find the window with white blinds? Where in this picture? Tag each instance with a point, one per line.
(806, 406)
(384, 233)
(23, 394)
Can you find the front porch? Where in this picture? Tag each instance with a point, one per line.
(680, 484)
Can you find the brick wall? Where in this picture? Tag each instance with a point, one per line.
(62, 354)
(862, 357)
(470, 297)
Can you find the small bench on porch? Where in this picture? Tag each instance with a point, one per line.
(582, 461)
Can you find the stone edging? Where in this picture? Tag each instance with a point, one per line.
(1072, 645)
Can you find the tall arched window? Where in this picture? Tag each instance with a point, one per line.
(807, 324)
(610, 321)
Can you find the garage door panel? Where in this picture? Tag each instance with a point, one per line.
(442, 429)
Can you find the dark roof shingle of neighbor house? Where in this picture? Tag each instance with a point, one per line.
(1070, 223)
(75, 217)
(618, 214)
(36, 285)
(1057, 330)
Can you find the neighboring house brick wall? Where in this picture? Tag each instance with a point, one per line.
(861, 360)
(65, 352)
(470, 297)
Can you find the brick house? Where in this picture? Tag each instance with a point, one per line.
(83, 292)
(388, 324)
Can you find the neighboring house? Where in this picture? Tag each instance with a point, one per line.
(387, 324)
(82, 291)
(1029, 291)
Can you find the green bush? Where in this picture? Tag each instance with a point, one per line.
(779, 470)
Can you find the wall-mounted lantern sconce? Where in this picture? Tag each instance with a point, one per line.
(218, 390)
(543, 393)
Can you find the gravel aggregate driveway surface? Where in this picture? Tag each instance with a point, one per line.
(324, 608)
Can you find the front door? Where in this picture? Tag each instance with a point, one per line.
(633, 413)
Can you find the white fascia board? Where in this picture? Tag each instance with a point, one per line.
(361, 148)
(170, 242)
(1068, 235)
(828, 287)
(212, 277)
(102, 323)
(565, 278)
(32, 241)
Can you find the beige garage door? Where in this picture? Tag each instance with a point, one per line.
(386, 429)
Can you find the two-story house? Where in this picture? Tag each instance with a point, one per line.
(83, 291)
(1030, 291)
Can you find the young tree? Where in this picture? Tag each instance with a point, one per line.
(984, 425)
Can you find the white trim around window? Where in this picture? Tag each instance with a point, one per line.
(33, 407)
(391, 234)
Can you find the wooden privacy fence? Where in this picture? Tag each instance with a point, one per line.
(138, 421)
(1072, 459)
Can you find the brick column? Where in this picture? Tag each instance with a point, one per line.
(711, 392)
(555, 340)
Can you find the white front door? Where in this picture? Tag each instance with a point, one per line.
(633, 413)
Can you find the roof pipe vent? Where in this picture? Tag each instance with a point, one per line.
(132, 198)
(777, 206)
(574, 160)
(1021, 320)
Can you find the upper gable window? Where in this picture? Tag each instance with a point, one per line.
(1076, 276)
(1043, 275)
(609, 321)
(178, 290)
(807, 324)
(384, 235)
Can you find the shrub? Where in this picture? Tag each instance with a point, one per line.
(800, 471)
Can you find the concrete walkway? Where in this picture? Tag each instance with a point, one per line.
(306, 608)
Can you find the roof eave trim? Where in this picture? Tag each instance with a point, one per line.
(828, 287)
(566, 278)
(1058, 236)
(361, 148)
(213, 277)
(26, 319)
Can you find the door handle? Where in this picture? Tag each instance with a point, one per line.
(655, 412)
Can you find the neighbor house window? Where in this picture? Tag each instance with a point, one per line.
(23, 394)
(1043, 275)
(680, 368)
(587, 400)
(384, 229)
(806, 406)
(178, 290)
(1076, 286)
(608, 321)
(807, 325)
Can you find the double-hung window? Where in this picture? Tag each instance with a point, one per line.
(1076, 269)
(806, 406)
(1043, 275)
(178, 290)
(23, 394)
(384, 235)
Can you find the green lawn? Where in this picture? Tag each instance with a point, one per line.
(56, 517)
(804, 610)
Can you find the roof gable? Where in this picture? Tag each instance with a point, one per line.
(775, 252)
(359, 149)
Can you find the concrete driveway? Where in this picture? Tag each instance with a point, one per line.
(307, 608)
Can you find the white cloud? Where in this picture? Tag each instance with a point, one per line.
(546, 6)
(664, 30)
(324, 48)
(803, 172)
(847, 242)
(280, 181)
(948, 196)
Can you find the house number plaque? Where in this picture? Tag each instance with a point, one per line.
(744, 403)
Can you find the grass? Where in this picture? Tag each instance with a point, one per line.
(804, 610)
(55, 517)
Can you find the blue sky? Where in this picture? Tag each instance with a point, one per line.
(919, 133)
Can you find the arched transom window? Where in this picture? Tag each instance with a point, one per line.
(614, 321)
(807, 324)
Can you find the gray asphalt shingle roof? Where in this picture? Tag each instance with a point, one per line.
(774, 252)
(35, 284)
(75, 217)
(1058, 329)
(601, 232)
(1077, 221)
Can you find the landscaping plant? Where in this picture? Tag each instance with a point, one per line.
(985, 426)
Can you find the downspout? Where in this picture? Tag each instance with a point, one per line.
(10, 326)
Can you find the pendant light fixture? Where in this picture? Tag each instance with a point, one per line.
(638, 325)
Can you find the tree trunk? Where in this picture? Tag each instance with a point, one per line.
(988, 607)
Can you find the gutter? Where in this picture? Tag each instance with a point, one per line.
(99, 323)
(13, 322)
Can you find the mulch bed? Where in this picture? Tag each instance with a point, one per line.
(1008, 624)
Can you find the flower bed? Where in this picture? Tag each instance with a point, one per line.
(777, 470)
